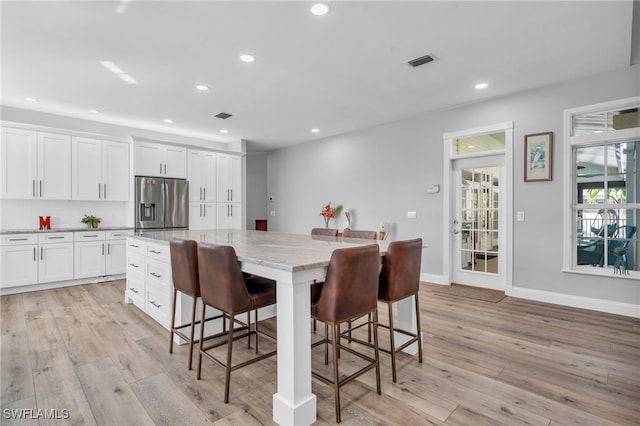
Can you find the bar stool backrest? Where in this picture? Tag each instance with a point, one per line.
(400, 274)
(184, 266)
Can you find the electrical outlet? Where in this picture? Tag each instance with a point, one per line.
(520, 216)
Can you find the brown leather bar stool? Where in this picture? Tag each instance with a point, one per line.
(223, 287)
(367, 235)
(184, 270)
(349, 292)
(326, 232)
(399, 279)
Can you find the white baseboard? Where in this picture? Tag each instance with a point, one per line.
(59, 284)
(609, 306)
(435, 279)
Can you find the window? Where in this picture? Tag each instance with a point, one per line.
(601, 153)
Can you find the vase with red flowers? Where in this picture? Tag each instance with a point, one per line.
(329, 213)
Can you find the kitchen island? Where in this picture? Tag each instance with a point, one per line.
(293, 261)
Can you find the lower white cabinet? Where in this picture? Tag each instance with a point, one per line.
(99, 253)
(229, 216)
(36, 258)
(202, 216)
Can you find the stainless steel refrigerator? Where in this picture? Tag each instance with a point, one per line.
(161, 203)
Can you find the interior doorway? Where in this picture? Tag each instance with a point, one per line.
(479, 207)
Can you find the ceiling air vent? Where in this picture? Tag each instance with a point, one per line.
(421, 60)
(222, 115)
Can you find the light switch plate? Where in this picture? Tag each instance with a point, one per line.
(520, 216)
(412, 215)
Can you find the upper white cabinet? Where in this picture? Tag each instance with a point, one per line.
(229, 172)
(100, 170)
(35, 165)
(155, 159)
(202, 176)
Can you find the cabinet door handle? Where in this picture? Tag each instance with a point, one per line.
(133, 245)
(155, 275)
(231, 208)
(160, 168)
(41, 188)
(34, 254)
(165, 168)
(105, 191)
(103, 249)
(134, 290)
(200, 210)
(18, 239)
(109, 248)
(204, 210)
(99, 192)
(154, 251)
(231, 199)
(41, 254)
(204, 191)
(89, 236)
(55, 238)
(134, 265)
(155, 304)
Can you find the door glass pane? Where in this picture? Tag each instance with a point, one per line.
(480, 220)
(478, 143)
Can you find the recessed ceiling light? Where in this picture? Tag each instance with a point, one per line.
(319, 9)
(224, 131)
(471, 146)
(482, 86)
(247, 58)
(202, 87)
(315, 130)
(31, 99)
(168, 120)
(94, 111)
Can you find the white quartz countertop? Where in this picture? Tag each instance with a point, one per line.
(71, 229)
(288, 252)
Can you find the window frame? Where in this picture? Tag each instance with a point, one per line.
(570, 185)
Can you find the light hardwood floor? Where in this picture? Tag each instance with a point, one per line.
(82, 349)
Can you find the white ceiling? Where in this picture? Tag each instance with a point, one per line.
(340, 72)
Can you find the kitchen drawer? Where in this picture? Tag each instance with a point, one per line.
(118, 235)
(88, 236)
(159, 252)
(160, 273)
(136, 289)
(55, 237)
(158, 304)
(135, 264)
(19, 239)
(135, 246)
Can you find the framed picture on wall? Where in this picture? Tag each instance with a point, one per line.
(538, 156)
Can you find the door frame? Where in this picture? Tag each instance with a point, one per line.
(448, 157)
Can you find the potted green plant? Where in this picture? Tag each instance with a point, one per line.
(91, 221)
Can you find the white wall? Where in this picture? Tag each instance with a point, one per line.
(383, 172)
(256, 179)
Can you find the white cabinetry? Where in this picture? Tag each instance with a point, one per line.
(229, 210)
(229, 172)
(202, 176)
(36, 258)
(202, 216)
(98, 253)
(35, 165)
(229, 216)
(19, 263)
(155, 159)
(149, 282)
(100, 170)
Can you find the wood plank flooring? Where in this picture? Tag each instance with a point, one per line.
(515, 362)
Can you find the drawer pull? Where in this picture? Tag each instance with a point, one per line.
(155, 304)
(155, 275)
(89, 236)
(133, 245)
(134, 290)
(155, 252)
(55, 238)
(118, 235)
(18, 239)
(134, 265)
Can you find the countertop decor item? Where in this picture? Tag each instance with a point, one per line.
(329, 213)
(91, 221)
